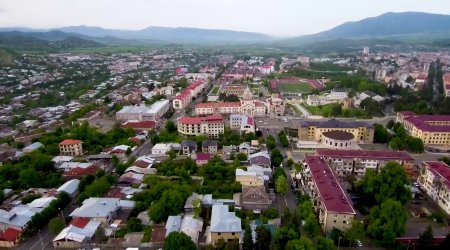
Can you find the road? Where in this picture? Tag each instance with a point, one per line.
(144, 149)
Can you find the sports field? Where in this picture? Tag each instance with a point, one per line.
(300, 87)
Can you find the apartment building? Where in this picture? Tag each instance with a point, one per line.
(185, 97)
(433, 130)
(71, 147)
(435, 180)
(313, 130)
(144, 113)
(356, 162)
(329, 199)
(210, 126)
(447, 85)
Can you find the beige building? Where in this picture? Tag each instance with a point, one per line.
(329, 199)
(71, 147)
(433, 130)
(313, 130)
(447, 85)
(224, 224)
(210, 126)
(249, 178)
(435, 180)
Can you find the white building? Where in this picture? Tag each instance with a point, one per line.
(161, 148)
(435, 179)
(210, 126)
(100, 209)
(144, 113)
(242, 123)
(338, 94)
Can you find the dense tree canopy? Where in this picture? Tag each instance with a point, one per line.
(178, 241)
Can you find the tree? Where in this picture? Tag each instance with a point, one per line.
(426, 239)
(387, 221)
(323, 243)
(381, 135)
(248, 239)
(390, 124)
(355, 232)
(281, 185)
(283, 138)
(311, 226)
(301, 244)
(290, 162)
(99, 234)
(270, 142)
(242, 156)
(56, 225)
(129, 151)
(232, 98)
(178, 241)
(415, 144)
(336, 110)
(134, 225)
(171, 127)
(263, 238)
(276, 158)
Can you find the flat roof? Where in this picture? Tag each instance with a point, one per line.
(157, 106)
(378, 154)
(331, 193)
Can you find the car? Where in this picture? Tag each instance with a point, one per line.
(260, 121)
(359, 243)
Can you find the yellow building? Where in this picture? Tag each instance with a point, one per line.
(224, 224)
(432, 129)
(328, 197)
(248, 178)
(313, 130)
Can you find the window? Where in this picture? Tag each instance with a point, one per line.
(232, 234)
(219, 233)
(334, 221)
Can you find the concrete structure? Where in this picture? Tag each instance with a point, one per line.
(338, 94)
(209, 147)
(356, 162)
(71, 147)
(224, 224)
(103, 210)
(210, 126)
(313, 130)
(185, 97)
(447, 84)
(242, 123)
(329, 199)
(188, 147)
(338, 139)
(249, 178)
(161, 148)
(431, 129)
(78, 234)
(255, 198)
(435, 180)
(144, 113)
(32, 147)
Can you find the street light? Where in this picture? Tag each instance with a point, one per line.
(339, 241)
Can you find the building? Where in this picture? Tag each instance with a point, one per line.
(188, 147)
(356, 162)
(161, 149)
(433, 130)
(366, 51)
(33, 147)
(202, 158)
(338, 139)
(71, 147)
(9, 238)
(370, 94)
(261, 159)
(185, 97)
(103, 210)
(435, 180)
(209, 147)
(210, 126)
(447, 84)
(250, 178)
(70, 187)
(78, 234)
(266, 69)
(255, 198)
(313, 130)
(224, 224)
(338, 94)
(234, 90)
(330, 200)
(242, 123)
(144, 113)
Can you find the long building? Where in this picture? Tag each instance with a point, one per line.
(433, 130)
(185, 97)
(329, 199)
(144, 113)
(313, 130)
(356, 162)
(435, 180)
(210, 126)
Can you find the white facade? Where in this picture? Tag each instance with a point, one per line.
(161, 148)
(144, 113)
(435, 180)
(338, 94)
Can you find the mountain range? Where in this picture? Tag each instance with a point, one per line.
(412, 27)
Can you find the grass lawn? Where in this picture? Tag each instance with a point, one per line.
(255, 91)
(325, 111)
(215, 91)
(300, 87)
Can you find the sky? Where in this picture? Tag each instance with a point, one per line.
(273, 17)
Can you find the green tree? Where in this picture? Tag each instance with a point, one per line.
(242, 156)
(263, 238)
(336, 110)
(290, 162)
(311, 226)
(426, 239)
(301, 244)
(281, 185)
(381, 135)
(134, 225)
(390, 124)
(415, 145)
(387, 221)
(171, 127)
(178, 241)
(248, 240)
(270, 142)
(323, 243)
(276, 158)
(56, 225)
(355, 232)
(397, 143)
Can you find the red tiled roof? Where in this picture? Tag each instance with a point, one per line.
(70, 142)
(331, 192)
(218, 104)
(141, 164)
(81, 171)
(441, 169)
(10, 234)
(382, 155)
(447, 86)
(79, 222)
(421, 122)
(198, 120)
(137, 125)
(203, 157)
(115, 192)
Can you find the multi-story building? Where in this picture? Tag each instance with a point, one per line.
(356, 162)
(447, 85)
(329, 199)
(242, 123)
(185, 97)
(210, 126)
(144, 113)
(234, 90)
(250, 178)
(435, 180)
(224, 224)
(71, 147)
(338, 94)
(431, 129)
(313, 130)
(277, 106)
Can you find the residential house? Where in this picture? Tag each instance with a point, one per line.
(99, 209)
(202, 158)
(246, 178)
(71, 147)
(224, 224)
(188, 147)
(435, 180)
(173, 224)
(33, 147)
(261, 159)
(254, 198)
(209, 147)
(78, 234)
(70, 187)
(161, 149)
(9, 238)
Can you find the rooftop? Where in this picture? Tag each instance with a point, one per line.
(338, 135)
(96, 207)
(70, 142)
(224, 221)
(385, 154)
(331, 192)
(441, 169)
(333, 123)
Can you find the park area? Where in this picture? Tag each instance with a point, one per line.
(336, 110)
(301, 88)
(215, 90)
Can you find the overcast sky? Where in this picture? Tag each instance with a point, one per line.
(274, 17)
